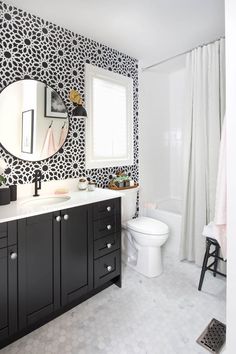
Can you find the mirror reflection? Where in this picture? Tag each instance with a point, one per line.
(33, 119)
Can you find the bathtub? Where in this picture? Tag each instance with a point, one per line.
(168, 211)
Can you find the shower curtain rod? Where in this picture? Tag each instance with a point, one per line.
(180, 54)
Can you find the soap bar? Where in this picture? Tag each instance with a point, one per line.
(61, 191)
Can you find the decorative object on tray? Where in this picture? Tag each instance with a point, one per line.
(4, 190)
(83, 183)
(121, 181)
(79, 110)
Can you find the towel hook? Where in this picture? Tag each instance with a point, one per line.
(51, 124)
(63, 125)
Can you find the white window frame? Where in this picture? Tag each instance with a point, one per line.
(96, 72)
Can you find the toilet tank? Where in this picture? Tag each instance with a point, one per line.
(128, 204)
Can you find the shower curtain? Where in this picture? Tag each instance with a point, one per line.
(203, 124)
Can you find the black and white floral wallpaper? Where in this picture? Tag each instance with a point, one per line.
(31, 47)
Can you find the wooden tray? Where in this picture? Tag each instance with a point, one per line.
(122, 188)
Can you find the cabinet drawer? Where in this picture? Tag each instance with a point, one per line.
(106, 268)
(104, 227)
(106, 245)
(105, 209)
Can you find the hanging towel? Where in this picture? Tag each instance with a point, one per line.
(49, 147)
(208, 230)
(220, 221)
(63, 136)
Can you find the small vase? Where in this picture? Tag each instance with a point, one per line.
(119, 184)
(126, 184)
(91, 186)
(82, 184)
(4, 195)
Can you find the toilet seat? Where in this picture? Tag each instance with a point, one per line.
(148, 226)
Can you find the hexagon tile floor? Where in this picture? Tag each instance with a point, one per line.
(164, 315)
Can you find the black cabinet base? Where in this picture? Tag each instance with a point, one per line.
(76, 252)
(13, 338)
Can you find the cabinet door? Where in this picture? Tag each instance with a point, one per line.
(8, 291)
(12, 283)
(3, 294)
(76, 254)
(39, 272)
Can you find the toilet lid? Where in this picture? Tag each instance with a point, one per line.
(148, 226)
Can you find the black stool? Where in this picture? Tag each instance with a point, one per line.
(213, 266)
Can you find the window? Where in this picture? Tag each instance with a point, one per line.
(109, 126)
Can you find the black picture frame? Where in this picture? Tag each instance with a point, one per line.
(27, 131)
(52, 98)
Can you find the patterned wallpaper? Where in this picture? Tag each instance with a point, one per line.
(31, 47)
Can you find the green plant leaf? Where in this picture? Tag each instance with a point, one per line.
(2, 180)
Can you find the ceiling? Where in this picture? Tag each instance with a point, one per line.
(150, 30)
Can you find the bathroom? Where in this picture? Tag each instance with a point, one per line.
(101, 245)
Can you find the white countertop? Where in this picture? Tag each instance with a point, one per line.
(20, 209)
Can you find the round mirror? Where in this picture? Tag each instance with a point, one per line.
(33, 119)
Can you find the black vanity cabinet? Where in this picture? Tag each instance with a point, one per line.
(3, 293)
(54, 262)
(51, 262)
(38, 268)
(76, 253)
(8, 280)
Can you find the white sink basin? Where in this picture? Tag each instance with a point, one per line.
(44, 201)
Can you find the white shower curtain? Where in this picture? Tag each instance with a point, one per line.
(205, 112)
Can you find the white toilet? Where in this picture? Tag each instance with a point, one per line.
(142, 238)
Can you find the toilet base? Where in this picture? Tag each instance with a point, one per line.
(149, 262)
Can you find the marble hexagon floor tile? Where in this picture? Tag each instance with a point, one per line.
(164, 315)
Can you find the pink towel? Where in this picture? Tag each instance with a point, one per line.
(63, 136)
(49, 147)
(220, 221)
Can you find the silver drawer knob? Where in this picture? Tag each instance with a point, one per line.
(66, 217)
(58, 218)
(109, 268)
(108, 227)
(109, 245)
(109, 208)
(13, 255)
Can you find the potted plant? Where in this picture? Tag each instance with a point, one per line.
(121, 180)
(4, 190)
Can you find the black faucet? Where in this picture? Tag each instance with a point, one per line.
(37, 182)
